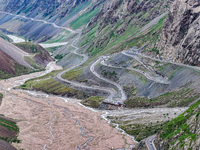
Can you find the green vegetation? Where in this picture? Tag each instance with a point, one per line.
(52, 49)
(48, 84)
(89, 36)
(84, 18)
(178, 98)
(37, 50)
(29, 47)
(5, 75)
(73, 74)
(32, 63)
(93, 101)
(179, 126)
(155, 50)
(109, 74)
(62, 37)
(11, 126)
(78, 8)
(104, 41)
(141, 131)
(59, 56)
(173, 73)
(3, 36)
(19, 70)
(52, 86)
(1, 95)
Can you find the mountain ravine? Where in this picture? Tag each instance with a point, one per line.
(100, 74)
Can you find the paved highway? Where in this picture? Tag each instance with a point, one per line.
(150, 142)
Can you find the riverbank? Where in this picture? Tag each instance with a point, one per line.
(50, 122)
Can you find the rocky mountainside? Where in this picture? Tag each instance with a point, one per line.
(180, 40)
(60, 12)
(105, 63)
(14, 52)
(182, 132)
(50, 8)
(119, 20)
(21, 58)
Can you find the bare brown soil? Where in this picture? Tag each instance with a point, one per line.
(7, 63)
(4, 132)
(6, 146)
(14, 52)
(48, 122)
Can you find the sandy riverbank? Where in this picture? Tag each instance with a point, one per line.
(49, 122)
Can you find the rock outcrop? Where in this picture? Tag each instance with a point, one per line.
(180, 40)
(118, 17)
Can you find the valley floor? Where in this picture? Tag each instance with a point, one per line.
(52, 122)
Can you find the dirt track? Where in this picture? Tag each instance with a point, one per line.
(49, 122)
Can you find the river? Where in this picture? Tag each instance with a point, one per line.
(17, 39)
(53, 122)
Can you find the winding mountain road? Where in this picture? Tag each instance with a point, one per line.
(156, 78)
(120, 88)
(150, 142)
(111, 92)
(148, 76)
(39, 20)
(167, 61)
(47, 122)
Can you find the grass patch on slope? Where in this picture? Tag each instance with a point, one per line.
(84, 18)
(73, 74)
(93, 101)
(5, 75)
(116, 43)
(19, 70)
(179, 126)
(178, 98)
(11, 126)
(3, 36)
(62, 37)
(29, 47)
(77, 9)
(1, 95)
(52, 86)
(141, 131)
(32, 63)
(48, 84)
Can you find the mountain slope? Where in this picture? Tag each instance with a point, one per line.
(118, 21)
(181, 37)
(9, 67)
(59, 12)
(14, 52)
(41, 56)
(182, 132)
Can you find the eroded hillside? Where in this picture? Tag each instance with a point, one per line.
(115, 53)
(180, 36)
